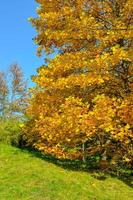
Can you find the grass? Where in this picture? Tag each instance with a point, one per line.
(26, 176)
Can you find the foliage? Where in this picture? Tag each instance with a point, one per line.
(13, 92)
(82, 103)
(18, 90)
(13, 101)
(25, 175)
(10, 130)
(3, 94)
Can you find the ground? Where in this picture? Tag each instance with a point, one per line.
(26, 176)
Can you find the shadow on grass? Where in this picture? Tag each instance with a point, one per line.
(122, 174)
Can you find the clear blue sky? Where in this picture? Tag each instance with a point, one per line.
(16, 33)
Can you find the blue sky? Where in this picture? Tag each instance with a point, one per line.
(16, 33)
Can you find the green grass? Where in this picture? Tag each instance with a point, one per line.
(24, 176)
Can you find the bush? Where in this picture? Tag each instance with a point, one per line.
(10, 131)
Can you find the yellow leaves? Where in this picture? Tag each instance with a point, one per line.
(80, 97)
(21, 125)
(99, 97)
(127, 159)
(87, 21)
(67, 11)
(109, 128)
(115, 48)
(127, 127)
(79, 80)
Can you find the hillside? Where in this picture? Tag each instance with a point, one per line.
(24, 176)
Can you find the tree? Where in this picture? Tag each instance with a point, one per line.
(13, 92)
(3, 94)
(77, 106)
(18, 90)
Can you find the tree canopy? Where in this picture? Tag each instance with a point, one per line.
(82, 104)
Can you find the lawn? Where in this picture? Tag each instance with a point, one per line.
(26, 176)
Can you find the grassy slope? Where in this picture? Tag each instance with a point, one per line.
(23, 176)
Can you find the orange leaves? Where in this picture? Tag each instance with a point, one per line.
(84, 96)
(126, 110)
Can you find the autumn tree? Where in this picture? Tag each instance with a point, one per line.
(82, 103)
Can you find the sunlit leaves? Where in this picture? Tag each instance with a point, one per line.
(84, 96)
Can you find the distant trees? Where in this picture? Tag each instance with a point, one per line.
(18, 89)
(3, 94)
(13, 91)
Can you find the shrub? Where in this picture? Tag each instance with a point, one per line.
(9, 130)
